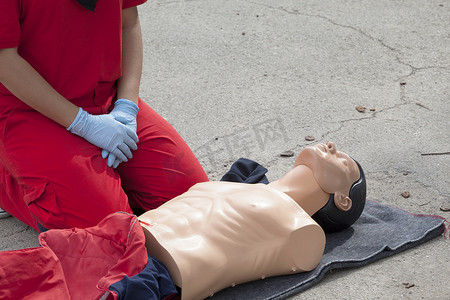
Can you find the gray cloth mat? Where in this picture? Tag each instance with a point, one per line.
(381, 231)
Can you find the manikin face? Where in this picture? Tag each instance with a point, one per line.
(334, 171)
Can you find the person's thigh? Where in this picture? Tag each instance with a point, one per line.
(163, 167)
(63, 180)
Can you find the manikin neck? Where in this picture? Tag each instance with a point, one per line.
(300, 184)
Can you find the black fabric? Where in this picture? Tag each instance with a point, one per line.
(89, 4)
(246, 171)
(381, 231)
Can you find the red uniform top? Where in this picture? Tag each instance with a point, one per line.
(71, 47)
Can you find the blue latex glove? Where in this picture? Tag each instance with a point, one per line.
(125, 111)
(106, 133)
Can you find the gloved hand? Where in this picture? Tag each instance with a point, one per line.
(106, 133)
(125, 111)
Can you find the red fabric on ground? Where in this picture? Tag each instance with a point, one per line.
(33, 273)
(75, 263)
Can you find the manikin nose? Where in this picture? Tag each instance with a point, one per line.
(332, 147)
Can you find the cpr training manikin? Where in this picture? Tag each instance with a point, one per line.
(219, 234)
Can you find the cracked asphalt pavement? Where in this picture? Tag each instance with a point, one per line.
(253, 78)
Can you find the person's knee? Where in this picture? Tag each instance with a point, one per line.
(77, 206)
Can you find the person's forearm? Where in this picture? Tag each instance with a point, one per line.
(128, 84)
(21, 79)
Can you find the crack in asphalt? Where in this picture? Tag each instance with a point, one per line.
(397, 53)
(379, 41)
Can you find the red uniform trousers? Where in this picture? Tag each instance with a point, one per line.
(51, 176)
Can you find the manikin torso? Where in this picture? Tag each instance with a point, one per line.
(219, 234)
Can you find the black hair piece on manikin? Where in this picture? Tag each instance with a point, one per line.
(332, 219)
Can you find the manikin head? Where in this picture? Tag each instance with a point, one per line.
(340, 176)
